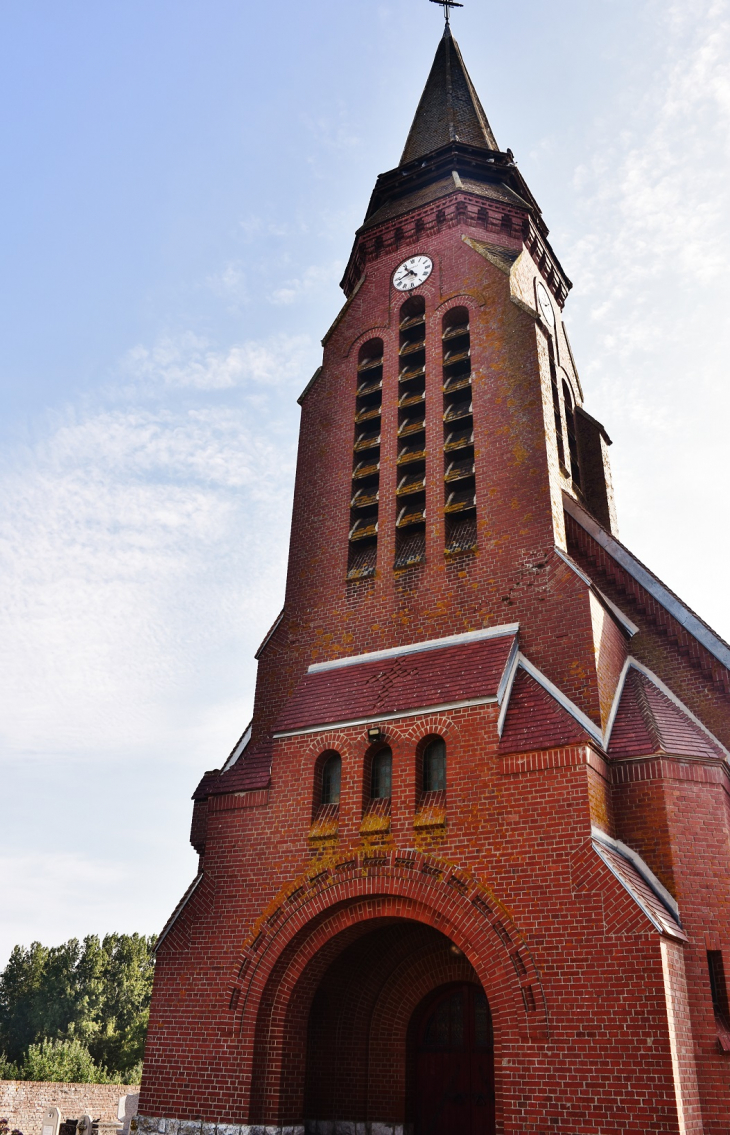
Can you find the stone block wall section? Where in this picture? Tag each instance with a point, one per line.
(23, 1102)
(147, 1125)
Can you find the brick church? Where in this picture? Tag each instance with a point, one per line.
(468, 869)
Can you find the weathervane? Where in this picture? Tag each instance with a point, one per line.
(447, 5)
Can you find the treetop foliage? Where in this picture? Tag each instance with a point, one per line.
(65, 1062)
(93, 995)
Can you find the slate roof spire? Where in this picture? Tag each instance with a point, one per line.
(449, 110)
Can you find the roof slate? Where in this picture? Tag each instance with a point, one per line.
(251, 771)
(449, 110)
(412, 681)
(209, 779)
(647, 722)
(535, 720)
(640, 891)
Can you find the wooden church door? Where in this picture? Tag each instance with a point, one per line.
(455, 1065)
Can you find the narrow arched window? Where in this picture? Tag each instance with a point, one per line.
(381, 775)
(572, 439)
(434, 766)
(556, 406)
(331, 778)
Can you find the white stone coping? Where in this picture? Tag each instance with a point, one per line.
(668, 600)
(416, 647)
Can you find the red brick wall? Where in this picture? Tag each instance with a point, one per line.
(285, 987)
(591, 960)
(514, 575)
(680, 824)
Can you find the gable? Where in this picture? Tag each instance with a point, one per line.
(648, 722)
(535, 720)
(374, 687)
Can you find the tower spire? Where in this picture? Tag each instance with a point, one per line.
(449, 110)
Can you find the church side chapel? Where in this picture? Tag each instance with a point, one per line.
(467, 871)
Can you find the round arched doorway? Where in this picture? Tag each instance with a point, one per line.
(452, 1062)
(359, 1011)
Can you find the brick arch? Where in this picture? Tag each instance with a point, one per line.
(280, 1027)
(378, 332)
(428, 724)
(404, 737)
(318, 916)
(331, 741)
(340, 1042)
(401, 995)
(456, 301)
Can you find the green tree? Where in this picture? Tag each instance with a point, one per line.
(62, 1061)
(96, 994)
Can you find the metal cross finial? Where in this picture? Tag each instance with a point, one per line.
(447, 5)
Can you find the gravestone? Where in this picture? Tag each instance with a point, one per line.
(127, 1109)
(51, 1121)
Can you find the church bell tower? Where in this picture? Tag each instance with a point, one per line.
(467, 869)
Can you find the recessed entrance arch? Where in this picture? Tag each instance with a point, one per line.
(329, 980)
(357, 1062)
(452, 1063)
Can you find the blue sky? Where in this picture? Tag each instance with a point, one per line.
(181, 185)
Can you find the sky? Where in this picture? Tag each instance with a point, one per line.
(182, 181)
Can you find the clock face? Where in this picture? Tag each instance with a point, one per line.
(412, 273)
(546, 308)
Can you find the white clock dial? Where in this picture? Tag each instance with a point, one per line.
(546, 308)
(412, 273)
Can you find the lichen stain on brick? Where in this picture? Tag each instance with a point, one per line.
(340, 908)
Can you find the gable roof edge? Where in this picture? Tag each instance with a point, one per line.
(465, 637)
(671, 928)
(239, 748)
(666, 598)
(270, 634)
(178, 911)
(628, 625)
(583, 720)
(634, 663)
(643, 868)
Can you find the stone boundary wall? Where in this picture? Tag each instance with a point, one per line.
(23, 1102)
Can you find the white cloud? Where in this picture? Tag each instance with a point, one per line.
(139, 543)
(312, 278)
(231, 284)
(189, 360)
(53, 896)
(648, 252)
(252, 227)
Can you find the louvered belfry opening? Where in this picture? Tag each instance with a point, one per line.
(556, 407)
(363, 537)
(572, 439)
(459, 469)
(410, 538)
